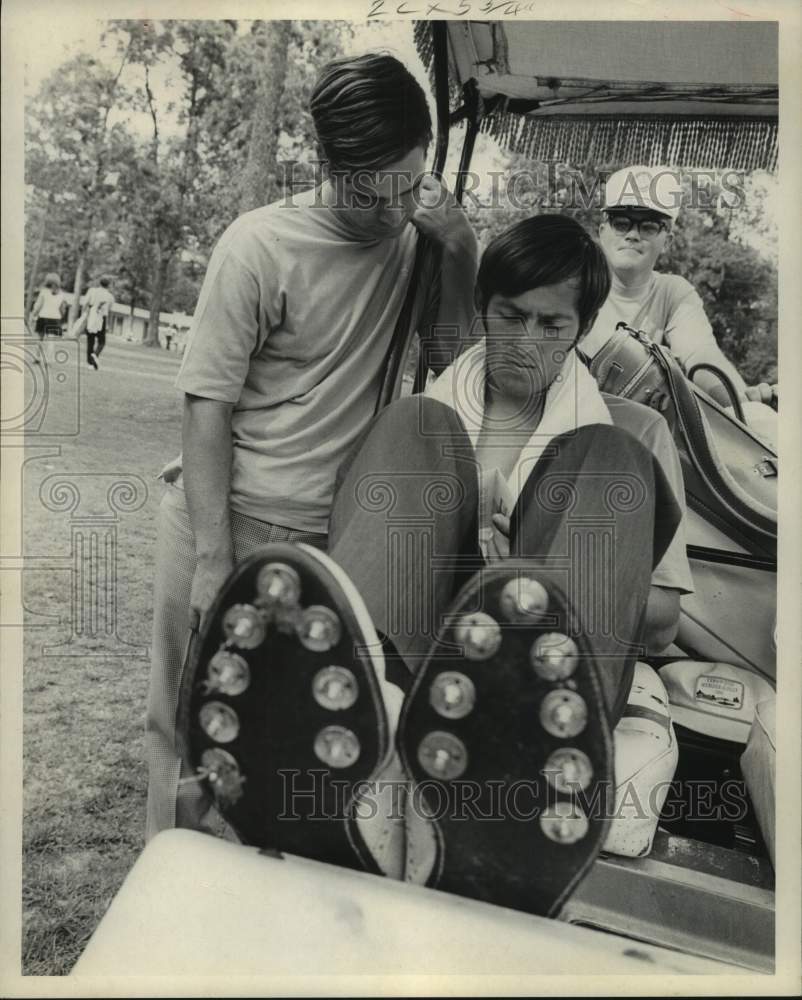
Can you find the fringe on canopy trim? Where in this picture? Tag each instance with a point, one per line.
(424, 42)
(726, 144)
(723, 143)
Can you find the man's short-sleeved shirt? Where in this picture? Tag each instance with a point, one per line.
(98, 300)
(668, 309)
(292, 326)
(651, 429)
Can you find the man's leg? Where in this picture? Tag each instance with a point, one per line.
(175, 566)
(599, 509)
(170, 803)
(403, 523)
(512, 732)
(90, 349)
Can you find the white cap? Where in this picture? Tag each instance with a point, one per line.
(714, 698)
(657, 189)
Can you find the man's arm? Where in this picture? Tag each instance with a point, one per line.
(662, 618)
(690, 337)
(207, 453)
(447, 225)
(37, 308)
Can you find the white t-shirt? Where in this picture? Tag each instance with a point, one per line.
(99, 300)
(668, 310)
(49, 304)
(292, 326)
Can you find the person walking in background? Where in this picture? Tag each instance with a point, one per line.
(50, 309)
(97, 304)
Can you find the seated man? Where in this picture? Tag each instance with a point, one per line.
(640, 206)
(515, 667)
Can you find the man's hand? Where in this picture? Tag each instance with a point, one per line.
(441, 218)
(761, 393)
(210, 575)
(172, 470)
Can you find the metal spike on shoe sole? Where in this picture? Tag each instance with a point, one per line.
(227, 673)
(335, 688)
(452, 694)
(245, 626)
(278, 583)
(479, 635)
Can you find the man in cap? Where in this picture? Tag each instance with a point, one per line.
(641, 204)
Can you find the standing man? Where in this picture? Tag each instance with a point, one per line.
(641, 204)
(284, 363)
(97, 304)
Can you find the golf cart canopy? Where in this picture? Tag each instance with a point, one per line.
(701, 94)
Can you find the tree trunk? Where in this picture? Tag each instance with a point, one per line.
(160, 280)
(33, 284)
(258, 184)
(76, 289)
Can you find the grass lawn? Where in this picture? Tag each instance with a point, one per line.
(84, 764)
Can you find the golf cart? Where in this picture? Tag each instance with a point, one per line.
(702, 899)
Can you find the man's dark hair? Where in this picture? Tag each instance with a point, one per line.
(368, 111)
(545, 250)
(105, 281)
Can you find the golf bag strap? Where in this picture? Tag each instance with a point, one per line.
(406, 325)
(639, 712)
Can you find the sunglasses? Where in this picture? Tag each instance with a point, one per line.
(649, 228)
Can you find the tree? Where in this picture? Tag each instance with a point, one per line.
(737, 286)
(273, 137)
(198, 48)
(71, 147)
(103, 195)
(258, 181)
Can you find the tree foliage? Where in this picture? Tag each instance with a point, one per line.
(136, 162)
(138, 156)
